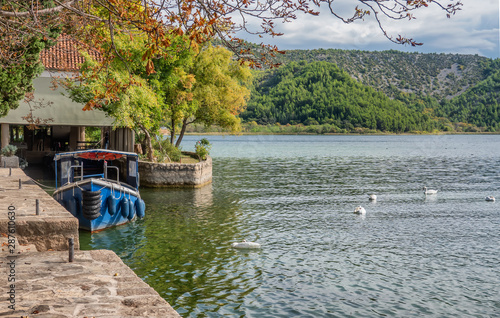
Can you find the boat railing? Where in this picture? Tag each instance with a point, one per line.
(81, 171)
(112, 167)
(94, 175)
(100, 175)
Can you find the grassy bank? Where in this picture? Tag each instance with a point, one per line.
(327, 129)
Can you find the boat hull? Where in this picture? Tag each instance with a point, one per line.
(112, 203)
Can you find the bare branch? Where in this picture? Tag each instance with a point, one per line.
(32, 12)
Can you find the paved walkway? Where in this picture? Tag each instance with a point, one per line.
(96, 284)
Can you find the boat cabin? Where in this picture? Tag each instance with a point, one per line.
(116, 166)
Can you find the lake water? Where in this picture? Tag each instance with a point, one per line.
(409, 256)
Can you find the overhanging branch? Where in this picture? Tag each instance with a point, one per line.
(58, 8)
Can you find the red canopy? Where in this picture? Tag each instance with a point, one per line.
(100, 155)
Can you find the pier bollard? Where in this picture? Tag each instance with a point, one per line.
(20, 184)
(71, 244)
(10, 172)
(37, 206)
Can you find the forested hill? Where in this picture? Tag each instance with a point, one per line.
(436, 75)
(479, 105)
(448, 92)
(322, 93)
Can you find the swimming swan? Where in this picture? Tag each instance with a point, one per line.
(245, 245)
(490, 198)
(360, 210)
(372, 197)
(429, 191)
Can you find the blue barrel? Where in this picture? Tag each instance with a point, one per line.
(112, 203)
(140, 208)
(125, 207)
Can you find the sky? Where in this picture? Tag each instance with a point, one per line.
(473, 30)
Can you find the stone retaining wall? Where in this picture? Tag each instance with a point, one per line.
(175, 174)
(9, 162)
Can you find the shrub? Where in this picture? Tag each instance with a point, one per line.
(172, 152)
(203, 148)
(9, 150)
(164, 150)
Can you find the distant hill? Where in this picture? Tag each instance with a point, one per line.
(321, 93)
(436, 75)
(479, 105)
(452, 91)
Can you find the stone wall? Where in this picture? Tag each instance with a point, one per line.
(9, 162)
(175, 174)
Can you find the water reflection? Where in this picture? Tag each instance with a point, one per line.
(203, 196)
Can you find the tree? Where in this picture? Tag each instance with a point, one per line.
(135, 104)
(16, 78)
(206, 87)
(19, 65)
(217, 94)
(188, 87)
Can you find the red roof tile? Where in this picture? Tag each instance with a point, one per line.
(65, 55)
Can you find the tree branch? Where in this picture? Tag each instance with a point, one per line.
(42, 11)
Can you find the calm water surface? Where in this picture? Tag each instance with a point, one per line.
(410, 256)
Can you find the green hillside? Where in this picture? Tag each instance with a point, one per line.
(479, 105)
(437, 75)
(322, 93)
(388, 91)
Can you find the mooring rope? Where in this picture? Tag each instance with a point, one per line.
(42, 185)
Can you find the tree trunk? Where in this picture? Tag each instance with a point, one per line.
(181, 134)
(147, 141)
(172, 131)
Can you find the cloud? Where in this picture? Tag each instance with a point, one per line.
(473, 30)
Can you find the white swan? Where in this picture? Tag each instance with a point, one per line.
(490, 198)
(372, 197)
(429, 191)
(245, 245)
(360, 210)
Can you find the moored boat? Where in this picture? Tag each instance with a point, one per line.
(100, 187)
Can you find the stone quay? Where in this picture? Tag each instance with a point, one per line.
(42, 276)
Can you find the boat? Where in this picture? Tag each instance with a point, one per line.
(100, 187)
